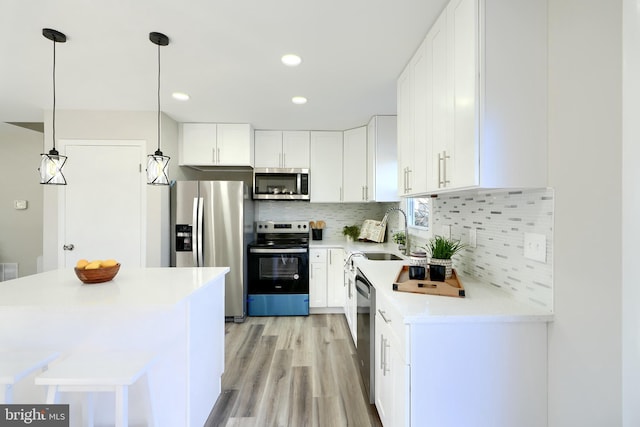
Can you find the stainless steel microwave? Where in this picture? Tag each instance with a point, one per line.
(280, 184)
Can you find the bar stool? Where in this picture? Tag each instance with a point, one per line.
(16, 365)
(100, 372)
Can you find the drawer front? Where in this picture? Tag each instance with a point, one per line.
(318, 255)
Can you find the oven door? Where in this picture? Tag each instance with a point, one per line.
(278, 270)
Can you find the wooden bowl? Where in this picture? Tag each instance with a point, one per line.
(98, 275)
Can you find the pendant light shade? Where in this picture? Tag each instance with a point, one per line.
(157, 163)
(51, 163)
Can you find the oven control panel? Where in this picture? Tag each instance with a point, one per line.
(282, 227)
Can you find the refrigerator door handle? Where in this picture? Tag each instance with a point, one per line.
(200, 232)
(195, 238)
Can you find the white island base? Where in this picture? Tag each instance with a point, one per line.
(176, 314)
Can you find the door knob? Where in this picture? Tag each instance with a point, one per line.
(68, 247)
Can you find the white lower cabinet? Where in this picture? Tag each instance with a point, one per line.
(317, 278)
(463, 373)
(326, 278)
(335, 277)
(391, 369)
(350, 305)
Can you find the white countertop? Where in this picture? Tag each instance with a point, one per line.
(130, 287)
(355, 246)
(482, 302)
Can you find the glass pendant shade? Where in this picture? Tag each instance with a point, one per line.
(51, 168)
(157, 169)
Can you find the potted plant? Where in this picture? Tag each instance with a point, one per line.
(441, 249)
(352, 232)
(400, 239)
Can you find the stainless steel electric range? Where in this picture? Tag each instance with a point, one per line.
(278, 268)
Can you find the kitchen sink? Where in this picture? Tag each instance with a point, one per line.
(381, 256)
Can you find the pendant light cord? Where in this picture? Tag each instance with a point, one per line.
(159, 99)
(54, 95)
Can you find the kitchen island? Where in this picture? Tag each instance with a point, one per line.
(176, 314)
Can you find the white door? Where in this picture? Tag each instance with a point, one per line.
(326, 167)
(101, 213)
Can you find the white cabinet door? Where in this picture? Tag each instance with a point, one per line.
(405, 129)
(383, 383)
(325, 172)
(418, 174)
(461, 156)
(335, 278)
(382, 159)
(268, 148)
(234, 144)
(198, 144)
(282, 149)
(317, 278)
(439, 105)
(354, 173)
(295, 149)
(412, 125)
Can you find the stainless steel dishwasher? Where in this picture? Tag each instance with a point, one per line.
(366, 303)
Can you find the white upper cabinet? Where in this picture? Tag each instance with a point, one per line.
(354, 165)
(412, 125)
(295, 149)
(282, 149)
(216, 144)
(382, 159)
(325, 172)
(486, 92)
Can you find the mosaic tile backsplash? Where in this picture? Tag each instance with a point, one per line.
(336, 215)
(501, 218)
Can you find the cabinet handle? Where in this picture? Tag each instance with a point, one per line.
(440, 160)
(213, 155)
(386, 362)
(382, 353)
(444, 168)
(366, 193)
(284, 160)
(409, 171)
(340, 193)
(384, 317)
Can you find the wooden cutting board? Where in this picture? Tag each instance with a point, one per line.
(450, 287)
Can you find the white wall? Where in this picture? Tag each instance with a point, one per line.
(630, 215)
(20, 230)
(116, 125)
(585, 152)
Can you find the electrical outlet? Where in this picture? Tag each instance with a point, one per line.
(20, 204)
(535, 247)
(473, 237)
(445, 231)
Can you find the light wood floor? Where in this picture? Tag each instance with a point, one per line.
(291, 371)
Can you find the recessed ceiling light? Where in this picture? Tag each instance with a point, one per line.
(299, 100)
(180, 96)
(291, 60)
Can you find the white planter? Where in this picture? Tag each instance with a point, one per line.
(447, 263)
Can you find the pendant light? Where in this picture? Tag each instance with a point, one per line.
(51, 163)
(157, 163)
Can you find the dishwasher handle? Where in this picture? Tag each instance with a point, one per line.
(363, 286)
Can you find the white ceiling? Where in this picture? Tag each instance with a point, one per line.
(224, 53)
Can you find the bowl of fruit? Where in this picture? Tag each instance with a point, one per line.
(97, 271)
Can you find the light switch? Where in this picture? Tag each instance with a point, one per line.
(473, 237)
(20, 204)
(535, 247)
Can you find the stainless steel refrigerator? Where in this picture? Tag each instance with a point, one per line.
(212, 224)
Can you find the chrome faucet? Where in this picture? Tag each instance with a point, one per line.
(352, 254)
(406, 228)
